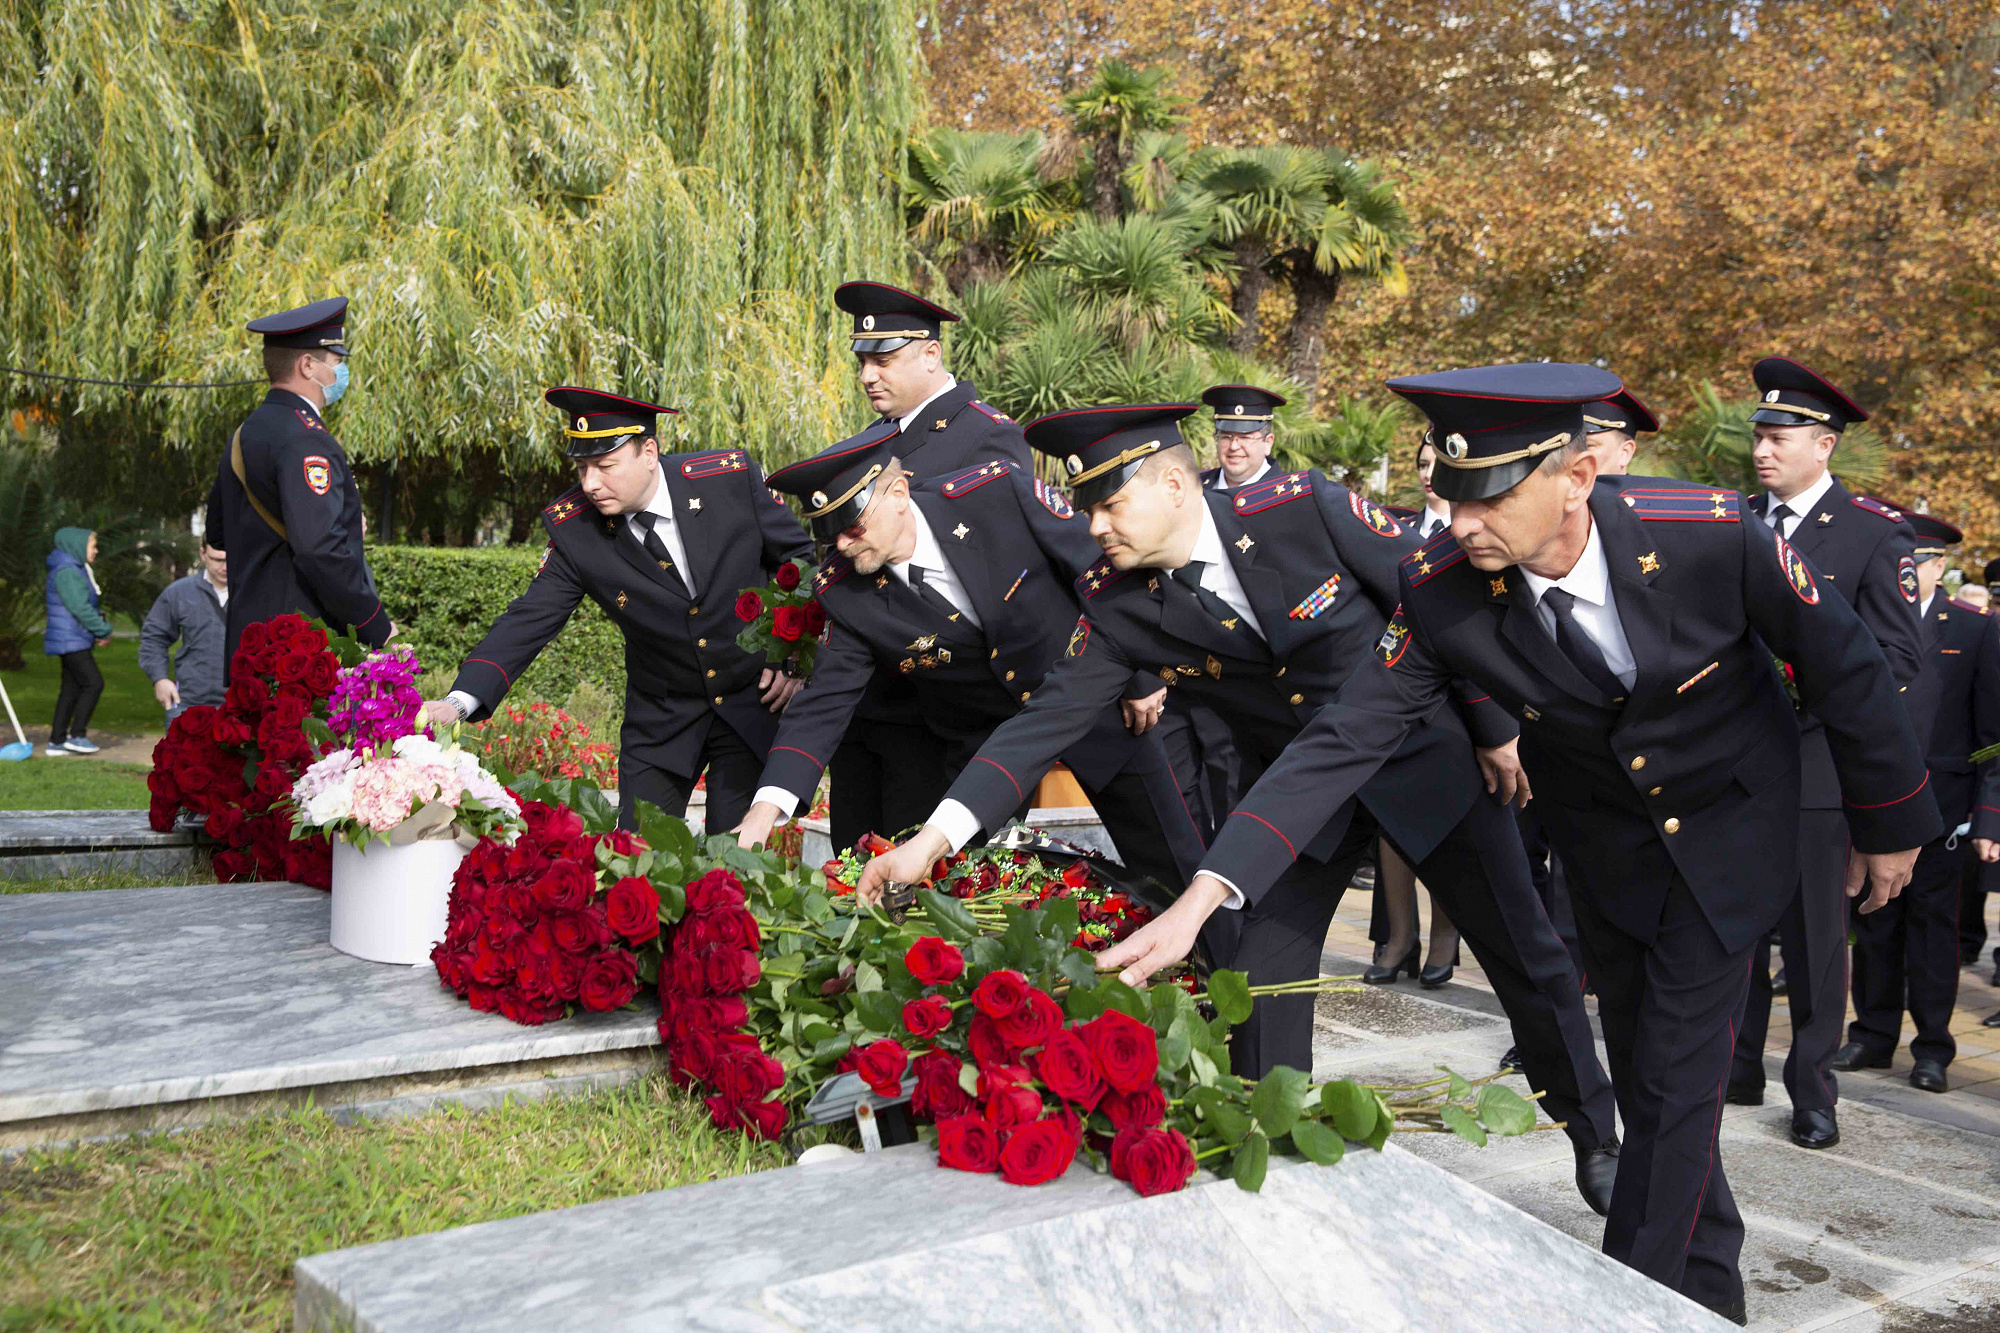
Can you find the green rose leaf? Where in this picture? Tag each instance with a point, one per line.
(1230, 993)
(1317, 1143)
(1385, 1123)
(1253, 1159)
(949, 915)
(1022, 942)
(1351, 1107)
(832, 1048)
(1460, 1122)
(1077, 968)
(1178, 1043)
(1280, 1096)
(880, 1012)
(1458, 1089)
(1505, 1111)
(1229, 1121)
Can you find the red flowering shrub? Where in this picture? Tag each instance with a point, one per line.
(541, 738)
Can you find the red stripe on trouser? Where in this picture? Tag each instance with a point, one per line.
(1721, 1085)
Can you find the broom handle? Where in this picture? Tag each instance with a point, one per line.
(4, 698)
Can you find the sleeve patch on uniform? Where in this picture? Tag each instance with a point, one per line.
(993, 412)
(715, 464)
(960, 483)
(565, 508)
(1682, 504)
(1796, 572)
(1906, 579)
(319, 473)
(1874, 506)
(1432, 558)
(1395, 640)
(543, 563)
(1272, 492)
(1053, 500)
(1079, 638)
(1373, 516)
(1317, 601)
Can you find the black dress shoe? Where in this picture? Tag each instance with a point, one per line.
(1856, 1056)
(1815, 1129)
(1778, 982)
(1511, 1060)
(1377, 975)
(1991, 1020)
(1735, 1311)
(1596, 1173)
(1433, 977)
(1929, 1076)
(1744, 1094)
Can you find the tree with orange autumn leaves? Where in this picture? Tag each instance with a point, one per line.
(1672, 188)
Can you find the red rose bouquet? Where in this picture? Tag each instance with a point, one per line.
(784, 619)
(236, 763)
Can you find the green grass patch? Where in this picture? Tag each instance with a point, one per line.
(107, 879)
(127, 704)
(75, 782)
(199, 1230)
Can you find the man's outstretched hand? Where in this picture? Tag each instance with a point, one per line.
(906, 864)
(1167, 938)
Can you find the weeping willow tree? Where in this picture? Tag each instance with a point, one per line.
(649, 196)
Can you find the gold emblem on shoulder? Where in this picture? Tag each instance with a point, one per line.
(1825, 518)
(694, 503)
(960, 531)
(941, 424)
(1529, 713)
(1649, 563)
(1499, 586)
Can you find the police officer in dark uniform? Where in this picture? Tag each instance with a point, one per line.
(1245, 433)
(284, 504)
(1863, 549)
(1909, 949)
(1260, 603)
(1613, 427)
(663, 543)
(1626, 623)
(887, 771)
(965, 587)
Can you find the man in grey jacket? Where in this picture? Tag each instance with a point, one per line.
(191, 610)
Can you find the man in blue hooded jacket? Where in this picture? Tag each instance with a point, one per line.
(74, 629)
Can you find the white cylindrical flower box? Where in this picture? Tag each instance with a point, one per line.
(389, 902)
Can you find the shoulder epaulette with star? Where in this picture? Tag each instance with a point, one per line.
(992, 412)
(836, 568)
(1053, 500)
(1272, 492)
(962, 483)
(565, 506)
(1099, 577)
(714, 464)
(1683, 504)
(1877, 508)
(1433, 558)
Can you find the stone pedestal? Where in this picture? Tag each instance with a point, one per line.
(36, 844)
(892, 1241)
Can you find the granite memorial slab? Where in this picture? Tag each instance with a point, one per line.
(892, 1241)
(37, 844)
(125, 1009)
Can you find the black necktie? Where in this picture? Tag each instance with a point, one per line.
(932, 598)
(1779, 513)
(658, 549)
(1580, 648)
(1189, 577)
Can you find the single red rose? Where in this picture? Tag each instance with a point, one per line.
(748, 1076)
(246, 696)
(988, 1046)
(160, 815)
(253, 638)
(749, 605)
(283, 627)
(881, 1066)
(1152, 1161)
(292, 665)
(1067, 1068)
(815, 619)
(938, 1093)
(696, 1054)
(765, 1120)
(1033, 1023)
(722, 1011)
(1145, 1108)
(716, 890)
(788, 623)
(483, 999)
(927, 1016)
(569, 931)
(633, 906)
(996, 1079)
(1038, 1153)
(566, 886)
(731, 971)
(324, 676)
(689, 976)
(1127, 1050)
(1000, 993)
(787, 576)
(724, 1113)
(232, 866)
(1012, 1105)
(195, 722)
(732, 928)
(933, 962)
(967, 1143)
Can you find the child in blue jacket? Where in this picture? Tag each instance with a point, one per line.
(76, 628)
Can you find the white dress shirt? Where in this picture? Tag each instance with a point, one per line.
(221, 590)
(1800, 504)
(903, 423)
(1222, 482)
(1431, 522)
(939, 575)
(1589, 581)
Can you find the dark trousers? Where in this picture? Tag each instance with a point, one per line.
(1480, 878)
(1669, 1015)
(1146, 815)
(1906, 953)
(1976, 880)
(1551, 885)
(1203, 754)
(1813, 936)
(82, 684)
(887, 777)
(733, 768)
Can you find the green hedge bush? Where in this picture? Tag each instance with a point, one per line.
(445, 598)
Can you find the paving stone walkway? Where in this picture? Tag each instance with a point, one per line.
(1895, 1230)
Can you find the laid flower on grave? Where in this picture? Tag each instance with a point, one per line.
(784, 620)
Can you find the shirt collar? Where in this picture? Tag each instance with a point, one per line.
(903, 423)
(1589, 579)
(1925, 609)
(1806, 500)
(1222, 482)
(1208, 546)
(927, 553)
